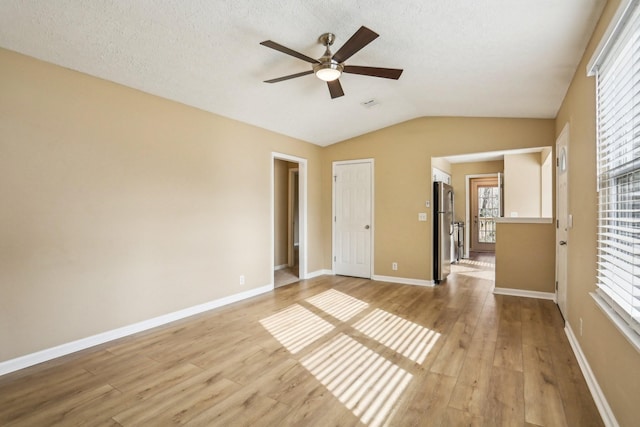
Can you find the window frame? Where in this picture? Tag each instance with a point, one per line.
(628, 11)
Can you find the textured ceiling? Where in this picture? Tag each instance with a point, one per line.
(484, 58)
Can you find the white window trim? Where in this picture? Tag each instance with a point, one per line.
(618, 320)
(609, 37)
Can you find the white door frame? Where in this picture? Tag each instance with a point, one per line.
(467, 214)
(302, 211)
(561, 288)
(333, 211)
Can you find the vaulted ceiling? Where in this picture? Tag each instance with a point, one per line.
(482, 58)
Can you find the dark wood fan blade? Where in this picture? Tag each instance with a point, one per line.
(291, 76)
(335, 89)
(360, 39)
(387, 73)
(283, 49)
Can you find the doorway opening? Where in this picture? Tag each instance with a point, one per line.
(483, 203)
(288, 219)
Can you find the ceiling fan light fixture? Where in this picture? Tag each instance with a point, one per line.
(328, 71)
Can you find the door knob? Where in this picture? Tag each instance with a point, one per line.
(366, 227)
(563, 242)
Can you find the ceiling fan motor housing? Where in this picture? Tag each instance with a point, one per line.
(327, 69)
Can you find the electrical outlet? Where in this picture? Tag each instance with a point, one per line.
(581, 326)
(242, 279)
(422, 216)
(394, 266)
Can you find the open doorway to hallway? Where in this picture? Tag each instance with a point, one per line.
(484, 206)
(286, 261)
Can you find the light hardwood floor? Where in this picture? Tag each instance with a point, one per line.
(285, 276)
(288, 275)
(328, 351)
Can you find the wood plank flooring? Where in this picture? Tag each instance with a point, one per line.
(332, 351)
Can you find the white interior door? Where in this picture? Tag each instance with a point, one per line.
(562, 217)
(352, 215)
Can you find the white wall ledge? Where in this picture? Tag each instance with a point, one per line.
(523, 220)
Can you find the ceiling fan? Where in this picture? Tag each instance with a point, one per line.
(329, 67)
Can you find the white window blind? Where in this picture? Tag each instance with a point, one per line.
(618, 145)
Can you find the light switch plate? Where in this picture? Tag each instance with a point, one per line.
(422, 216)
(428, 204)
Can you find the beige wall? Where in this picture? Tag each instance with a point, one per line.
(522, 185)
(526, 257)
(614, 362)
(402, 156)
(459, 171)
(118, 206)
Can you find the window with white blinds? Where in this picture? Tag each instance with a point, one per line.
(618, 148)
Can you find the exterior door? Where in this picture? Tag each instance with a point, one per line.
(485, 208)
(352, 215)
(562, 216)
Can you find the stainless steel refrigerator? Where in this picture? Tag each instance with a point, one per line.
(442, 230)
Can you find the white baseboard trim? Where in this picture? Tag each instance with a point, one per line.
(523, 293)
(84, 343)
(598, 396)
(318, 273)
(280, 267)
(403, 280)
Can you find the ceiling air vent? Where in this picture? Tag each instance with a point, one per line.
(370, 103)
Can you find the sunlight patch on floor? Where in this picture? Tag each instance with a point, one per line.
(475, 269)
(401, 335)
(339, 305)
(477, 263)
(296, 327)
(365, 382)
(457, 268)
